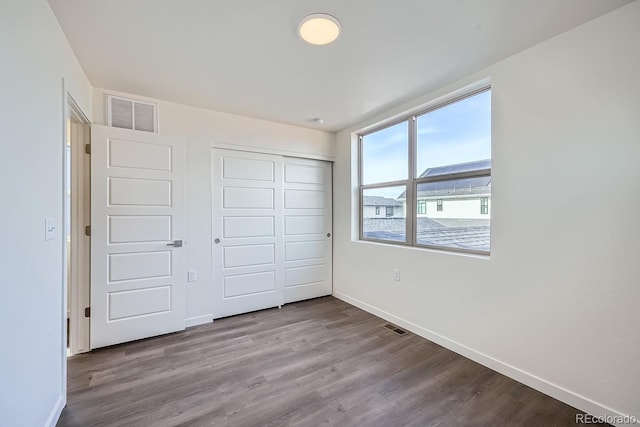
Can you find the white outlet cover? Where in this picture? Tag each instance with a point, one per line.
(49, 229)
(191, 276)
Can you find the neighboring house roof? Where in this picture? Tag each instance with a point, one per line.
(457, 168)
(458, 187)
(380, 201)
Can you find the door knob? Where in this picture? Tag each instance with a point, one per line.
(175, 244)
(328, 234)
(216, 240)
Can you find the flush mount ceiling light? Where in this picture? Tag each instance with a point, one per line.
(319, 29)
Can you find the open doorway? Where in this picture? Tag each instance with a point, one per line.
(76, 228)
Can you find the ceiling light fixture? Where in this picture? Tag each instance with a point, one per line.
(319, 29)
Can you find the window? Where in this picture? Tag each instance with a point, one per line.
(377, 210)
(422, 207)
(484, 205)
(413, 164)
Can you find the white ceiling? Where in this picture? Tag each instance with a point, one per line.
(245, 57)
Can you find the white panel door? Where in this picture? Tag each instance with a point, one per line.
(307, 229)
(137, 214)
(247, 231)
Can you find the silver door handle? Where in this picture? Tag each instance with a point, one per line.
(175, 244)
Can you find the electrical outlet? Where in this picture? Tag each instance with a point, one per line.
(396, 274)
(49, 229)
(191, 276)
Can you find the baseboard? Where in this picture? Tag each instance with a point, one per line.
(198, 320)
(56, 412)
(557, 392)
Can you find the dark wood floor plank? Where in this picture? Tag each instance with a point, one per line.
(314, 363)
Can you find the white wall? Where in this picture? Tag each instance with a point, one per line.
(556, 305)
(202, 128)
(34, 57)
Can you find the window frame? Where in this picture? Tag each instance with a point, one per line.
(412, 181)
(421, 207)
(484, 206)
(388, 209)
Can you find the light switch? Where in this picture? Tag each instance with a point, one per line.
(191, 276)
(49, 229)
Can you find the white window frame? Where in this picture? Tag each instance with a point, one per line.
(412, 181)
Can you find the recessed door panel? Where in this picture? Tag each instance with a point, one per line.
(139, 192)
(248, 284)
(309, 224)
(305, 275)
(139, 228)
(139, 155)
(295, 251)
(248, 169)
(303, 199)
(139, 302)
(140, 265)
(238, 227)
(249, 255)
(304, 174)
(248, 198)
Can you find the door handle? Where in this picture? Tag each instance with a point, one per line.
(175, 244)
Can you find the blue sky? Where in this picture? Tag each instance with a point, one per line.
(456, 133)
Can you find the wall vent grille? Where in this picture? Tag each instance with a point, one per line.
(132, 114)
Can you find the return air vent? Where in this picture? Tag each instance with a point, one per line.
(396, 330)
(131, 114)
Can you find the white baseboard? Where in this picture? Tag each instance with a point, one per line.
(198, 320)
(557, 392)
(56, 412)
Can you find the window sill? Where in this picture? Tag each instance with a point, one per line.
(403, 246)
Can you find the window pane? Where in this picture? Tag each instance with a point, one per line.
(455, 138)
(385, 154)
(460, 222)
(383, 215)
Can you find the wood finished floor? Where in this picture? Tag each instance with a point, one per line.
(315, 363)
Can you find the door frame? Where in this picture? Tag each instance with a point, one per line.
(76, 262)
(68, 106)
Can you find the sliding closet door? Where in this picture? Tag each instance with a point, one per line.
(271, 230)
(307, 229)
(247, 231)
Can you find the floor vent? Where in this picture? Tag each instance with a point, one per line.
(396, 330)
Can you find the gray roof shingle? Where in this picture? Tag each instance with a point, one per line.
(464, 186)
(379, 201)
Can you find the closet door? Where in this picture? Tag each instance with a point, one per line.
(247, 231)
(307, 229)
